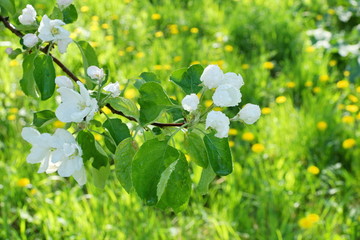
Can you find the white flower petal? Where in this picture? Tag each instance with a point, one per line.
(80, 176)
(37, 154)
(63, 81)
(226, 96)
(218, 121)
(250, 113)
(212, 76)
(30, 135)
(190, 102)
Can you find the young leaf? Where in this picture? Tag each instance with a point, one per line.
(43, 117)
(100, 176)
(149, 162)
(174, 187)
(152, 102)
(89, 59)
(123, 163)
(196, 149)
(118, 130)
(27, 82)
(125, 106)
(70, 14)
(219, 154)
(188, 79)
(44, 75)
(207, 176)
(92, 149)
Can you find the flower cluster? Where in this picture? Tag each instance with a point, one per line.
(58, 152)
(49, 30)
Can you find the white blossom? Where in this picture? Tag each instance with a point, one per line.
(30, 40)
(75, 107)
(345, 50)
(226, 95)
(190, 102)
(64, 3)
(51, 30)
(233, 79)
(212, 76)
(58, 152)
(250, 113)
(28, 15)
(113, 88)
(63, 81)
(321, 36)
(95, 73)
(218, 121)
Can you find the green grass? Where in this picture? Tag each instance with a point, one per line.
(268, 192)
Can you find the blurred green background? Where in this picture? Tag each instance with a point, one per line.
(296, 172)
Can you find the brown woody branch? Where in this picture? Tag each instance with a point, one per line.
(5, 21)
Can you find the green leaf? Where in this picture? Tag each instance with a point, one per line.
(188, 79)
(56, 14)
(27, 82)
(8, 5)
(70, 14)
(149, 77)
(44, 75)
(89, 59)
(195, 147)
(118, 130)
(100, 176)
(43, 117)
(124, 155)
(207, 176)
(15, 53)
(92, 149)
(152, 102)
(109, 142)
(125, 106)
(174, 187)
(219, 154)
(149, 162)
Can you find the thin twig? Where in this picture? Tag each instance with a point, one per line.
(5, 21)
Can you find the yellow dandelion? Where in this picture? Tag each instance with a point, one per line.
(310, 49)
(208, 103)
(342, 84)
(247, 136)
(341, 106)
(280, 99)
(331, 11)
(94, 44)
(348, 143)
(23, 182)
(229, 48)
(167, 67)
(33, 191)
(127, 1)
(130, 93)
(73, 35)
(158, 67)
(58, 124)
(358, 116)
(109, 38)
(322, 125)
(156, 16)
(308, 84)
(324, 78)
(316, 89)
(266, 110)
(13, 110)
(177, 58)
(159, 34)
(105, 26)
(245, 66)
(346, 73)
(140, 55)
(121, 53)
(95, 18)
(313, 170)
(233, 132)
(114, 17)
(332, 63)
(106, 110)
(84, 9)
(195, 62)
(94, 28)
(290, 84)
(11, 117)
(348, 119)
(353, 98)
(13, 63)
(173, 29)
(358, 89)
(194, 30)
(130, 49)
(231, 144)
(258, 148)
(305, 223)
(314, 218)
(268, 65)
(319, 17)
(352, 108)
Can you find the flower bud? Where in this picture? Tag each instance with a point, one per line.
(9, 51)
(190, 102)
(95, 73)
(113, 88)
(226, 96)
(250, 113)
(64, 3)
(218, 121)
(30, 40)
(28, 15)
(212, 76)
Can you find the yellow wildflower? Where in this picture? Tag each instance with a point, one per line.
(159, 34)
(268, 65)
(349, 143)
(342, 84)
(324, 78)
(319, 17)
(229, 48)
(156, 16)
(194, 30)
(95, 18)
(140, 55)
(130, 48)
(231, 143)
(310, 49)
(109, 38)
(331, 11)
(352, 108)
(105, 26)
(308, 84)
(346, 73)
(290, 84)
(316, 89)
(98, 137)
(266, 110)
(13, 63)
(158, 67)
(11, 117)
(177, 58)
(247, 136)
(257, 148)
(313, 170)
(130, 93)
(13, 110)
(84, 9)
(106, 110)
(245, 66)
(121, 53)
(348, 119)
(309, 221)
(280, 99)
(23, 182)
(195, 62)
(321, 125)
(353, 98)
(332, 63)
(233, 132)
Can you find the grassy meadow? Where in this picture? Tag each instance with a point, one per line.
(296, 171)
